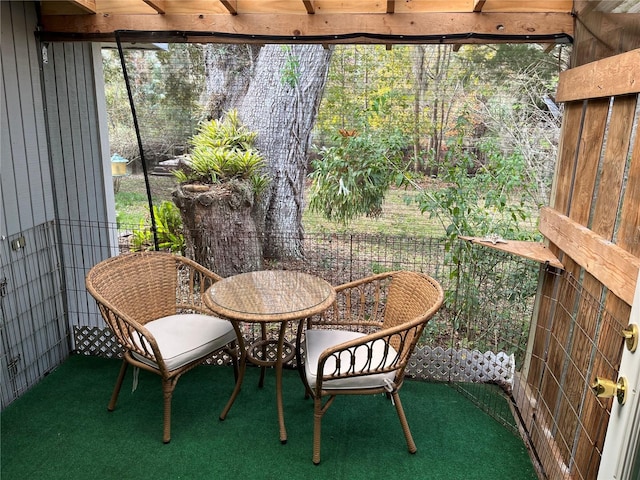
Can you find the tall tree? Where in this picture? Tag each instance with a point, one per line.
(436, 91)
(281, 105)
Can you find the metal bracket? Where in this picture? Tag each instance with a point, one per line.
(18, 243)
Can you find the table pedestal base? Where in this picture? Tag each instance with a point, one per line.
(262, 353)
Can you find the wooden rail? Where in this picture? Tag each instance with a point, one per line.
(606, 78)
(613, 266)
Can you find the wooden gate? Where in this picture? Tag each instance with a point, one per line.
(593, 227)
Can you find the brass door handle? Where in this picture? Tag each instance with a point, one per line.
(605, 388)
(631, 337)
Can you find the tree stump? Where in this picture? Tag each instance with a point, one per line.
(219, 231)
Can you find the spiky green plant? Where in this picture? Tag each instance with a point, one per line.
(223, 150)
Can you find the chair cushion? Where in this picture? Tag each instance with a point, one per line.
(316, 341)
(186, 337)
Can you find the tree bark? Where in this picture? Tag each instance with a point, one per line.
(219, 230)
(228, 71)
(281, 104)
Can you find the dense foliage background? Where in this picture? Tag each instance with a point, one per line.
(481, 121)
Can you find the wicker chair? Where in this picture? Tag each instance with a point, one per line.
(152, 303)
(363, 343)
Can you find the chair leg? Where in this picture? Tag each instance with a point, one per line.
(403, 422)
(116, 389)
(318, 411)
(167, 392)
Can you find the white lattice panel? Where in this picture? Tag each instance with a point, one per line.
(426, 363)
(462, 366)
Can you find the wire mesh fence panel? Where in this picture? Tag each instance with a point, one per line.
(562, 415)
(479, 336)
(34, 335)
(477, 341)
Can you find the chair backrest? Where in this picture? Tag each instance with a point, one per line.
(412, 299)
(141, 285)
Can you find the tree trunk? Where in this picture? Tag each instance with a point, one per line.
(228, 71)
(441, 103)
(418, 105)
(219, 230)
(281, 105)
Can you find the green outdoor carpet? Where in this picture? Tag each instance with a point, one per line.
(61, 430)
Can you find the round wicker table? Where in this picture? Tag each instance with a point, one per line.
(268, 297)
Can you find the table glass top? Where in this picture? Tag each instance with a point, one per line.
(270, 293)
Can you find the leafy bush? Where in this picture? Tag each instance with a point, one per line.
(168, 228)
(480, 199)
(484, 200)
(351, 178)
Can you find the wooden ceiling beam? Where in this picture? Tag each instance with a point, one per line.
(402, 26)
(231, 6)
(157, 5)
(341, 7)
(73, 7)
(477, 5)
(308, 4)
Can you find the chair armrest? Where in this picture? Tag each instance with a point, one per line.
(132, 335)
(380, 352)
(194, 282)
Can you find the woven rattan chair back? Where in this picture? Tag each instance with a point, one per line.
(140, 285)
(411, 298)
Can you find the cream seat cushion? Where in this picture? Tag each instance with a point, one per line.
(185, 337)
(316, 341)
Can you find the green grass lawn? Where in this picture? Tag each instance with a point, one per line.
(400, 213)
(131, 198)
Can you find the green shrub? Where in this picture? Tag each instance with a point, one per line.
(168, 228)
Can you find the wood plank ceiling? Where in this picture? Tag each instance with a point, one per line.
(312, 21)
